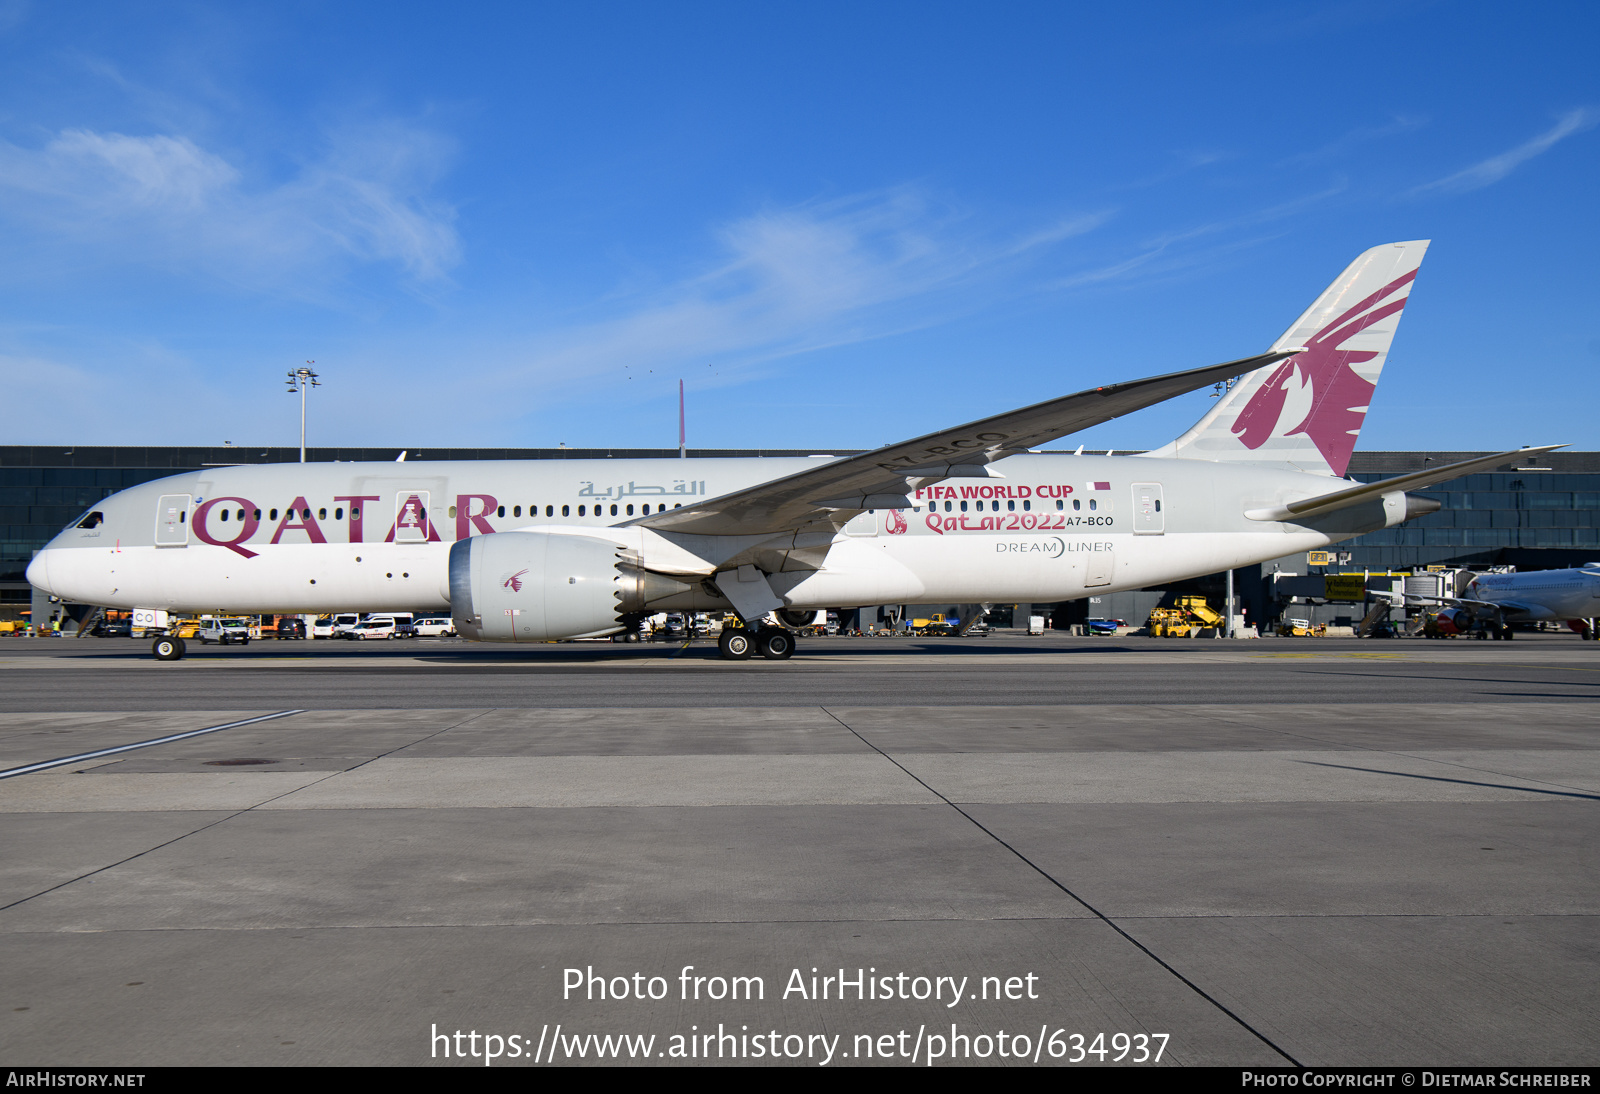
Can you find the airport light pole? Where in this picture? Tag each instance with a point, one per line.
(300, 379)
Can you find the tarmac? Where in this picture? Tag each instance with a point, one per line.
(1011, 850)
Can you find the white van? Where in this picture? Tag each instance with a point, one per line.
(402, 622)
(223, 631)
(334, 626)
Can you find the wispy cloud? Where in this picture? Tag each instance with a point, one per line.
(1347, 142)
(164, 199)
(1495, 168)
(1165, 252)
(796, 279)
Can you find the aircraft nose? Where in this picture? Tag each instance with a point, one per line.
(39, 572)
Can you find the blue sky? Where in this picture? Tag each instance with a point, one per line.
(840, 224)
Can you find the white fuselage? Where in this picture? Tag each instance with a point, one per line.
(1541, 594)
(305, 538)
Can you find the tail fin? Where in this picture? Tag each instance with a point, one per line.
(1306, 412)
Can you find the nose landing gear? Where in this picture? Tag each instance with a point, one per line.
(168, 649)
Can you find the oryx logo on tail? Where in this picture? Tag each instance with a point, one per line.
(1340, 396)
(1304, 413)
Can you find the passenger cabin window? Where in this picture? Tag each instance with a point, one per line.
(516, 510)
(566, 510)
(630, 510)
(613, 510)
(256, 513)
(1076, 504)
(273, 515)
(581, 510)
(1060, 504)
(550, 510)
(500, 512)
(322, 514)
(93, 520)
(1094, 503)
(338, 514)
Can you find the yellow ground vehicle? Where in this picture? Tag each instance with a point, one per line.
(1191, 615)
(936, 625)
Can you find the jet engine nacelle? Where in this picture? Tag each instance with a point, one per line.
(536, 586)
(1454, 621)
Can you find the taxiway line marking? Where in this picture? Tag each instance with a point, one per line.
(14, 771)
(1051, 879)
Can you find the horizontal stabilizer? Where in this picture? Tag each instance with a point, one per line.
(1355, 495)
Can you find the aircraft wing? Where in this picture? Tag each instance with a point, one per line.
(1495, 609)
(833, 492)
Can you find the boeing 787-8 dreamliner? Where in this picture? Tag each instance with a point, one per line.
(530, 551)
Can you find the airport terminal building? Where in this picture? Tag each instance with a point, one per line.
(1544, 514)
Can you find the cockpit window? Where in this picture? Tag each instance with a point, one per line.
(92, 520)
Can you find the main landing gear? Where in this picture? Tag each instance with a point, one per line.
(738, 643)
(168, 649)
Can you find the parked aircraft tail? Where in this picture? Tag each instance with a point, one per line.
(1306, 412)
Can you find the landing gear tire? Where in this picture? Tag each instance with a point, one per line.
(775, 644)
(735, 645)
(168, 649)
